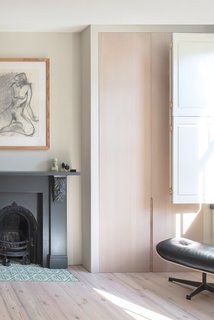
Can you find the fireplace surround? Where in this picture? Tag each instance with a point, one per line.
(33, 208)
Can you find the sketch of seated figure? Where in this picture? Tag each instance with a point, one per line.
(21, 116)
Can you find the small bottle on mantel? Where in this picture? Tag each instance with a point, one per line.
(54, 165)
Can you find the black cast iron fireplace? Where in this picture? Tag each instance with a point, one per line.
(18, 234)
(33, 217)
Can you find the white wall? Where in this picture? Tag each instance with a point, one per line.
(63, 49)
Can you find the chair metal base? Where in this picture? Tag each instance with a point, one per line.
(200, 286)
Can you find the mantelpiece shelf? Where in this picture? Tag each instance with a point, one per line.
(40, 173)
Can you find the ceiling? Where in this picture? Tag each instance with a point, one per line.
(75, 15)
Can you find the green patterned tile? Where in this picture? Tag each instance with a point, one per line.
(19, 272)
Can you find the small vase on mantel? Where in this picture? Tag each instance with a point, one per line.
(54, 165)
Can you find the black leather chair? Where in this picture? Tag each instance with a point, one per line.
(192, 254)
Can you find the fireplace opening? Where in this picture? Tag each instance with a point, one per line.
(18, 235)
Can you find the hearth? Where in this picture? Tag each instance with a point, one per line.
(33, 217)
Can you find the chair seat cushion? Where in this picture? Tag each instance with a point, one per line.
(188, 253)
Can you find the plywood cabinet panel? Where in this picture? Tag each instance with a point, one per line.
(125, 157)
(136, 210)
(168, 219)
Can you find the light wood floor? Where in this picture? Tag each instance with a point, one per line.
(106, 297)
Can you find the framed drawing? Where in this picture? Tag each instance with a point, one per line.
(24, 103)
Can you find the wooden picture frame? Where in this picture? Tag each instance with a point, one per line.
(24, 103)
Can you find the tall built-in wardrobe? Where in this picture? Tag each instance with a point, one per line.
(126, 153)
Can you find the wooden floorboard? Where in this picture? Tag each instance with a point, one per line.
(106, 296)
